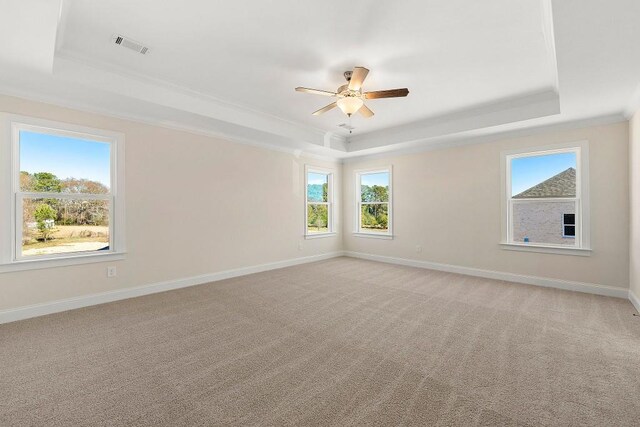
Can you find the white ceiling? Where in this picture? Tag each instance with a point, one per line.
(473, 68)
(28, 33)
(451, 54)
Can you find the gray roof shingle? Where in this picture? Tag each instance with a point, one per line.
(560, 185)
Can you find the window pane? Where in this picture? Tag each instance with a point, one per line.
(317, 218)
(374, 217)
(569, 230)
(57, 164)
(317, 187)
(551, 175)
(374, 187)
(540, 222)
(569, 219)
(55, 226)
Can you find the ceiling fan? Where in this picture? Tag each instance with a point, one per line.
(351, 97)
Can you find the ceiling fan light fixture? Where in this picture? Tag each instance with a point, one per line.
(351, 96)
(350, 104)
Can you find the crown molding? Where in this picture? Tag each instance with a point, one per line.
(324, 153)
(160, 103)
(165, 94)
(518, 108)
(462, 139)
(319, 153)
(113, 79)
(100, 66)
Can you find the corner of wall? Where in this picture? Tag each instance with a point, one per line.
(635, 300)
(634, 206)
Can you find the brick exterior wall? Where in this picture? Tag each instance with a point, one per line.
(541, 221)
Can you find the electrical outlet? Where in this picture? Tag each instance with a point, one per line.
(299, 246)
(419, 249)
(111, 272)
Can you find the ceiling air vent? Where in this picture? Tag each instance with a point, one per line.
(130, 44)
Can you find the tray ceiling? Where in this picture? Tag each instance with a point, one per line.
(230, 68)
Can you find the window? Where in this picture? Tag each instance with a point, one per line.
(373, 207)
(546, 198)
(568, 225)
(65, 193)
(319, 202)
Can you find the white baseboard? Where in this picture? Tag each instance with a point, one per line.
(634, 300)
(590, 288)
(20, 313)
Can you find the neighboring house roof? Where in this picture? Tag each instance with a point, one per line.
(560, 185)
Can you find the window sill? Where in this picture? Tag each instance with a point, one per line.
(547, 249)
(320, 235)
(374, 236)
(35, 264)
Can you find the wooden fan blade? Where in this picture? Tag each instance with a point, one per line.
(357, 78)
(391, 93)
(325, 109)
(315, 91)
(365, 111)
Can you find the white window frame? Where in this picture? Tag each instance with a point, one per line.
(330, 202)
(582, 245)
(11, 195)
(358, 231)
(566, 236)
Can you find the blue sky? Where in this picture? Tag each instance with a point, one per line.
(314, 194)
(370, 179)
(529, 171)
(65, 157)
(316, 178)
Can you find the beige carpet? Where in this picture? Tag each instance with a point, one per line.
(339, 342)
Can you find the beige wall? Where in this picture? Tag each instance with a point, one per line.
(634, 180)
(177, 185)
(448, 202)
